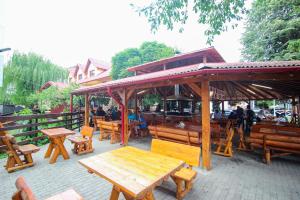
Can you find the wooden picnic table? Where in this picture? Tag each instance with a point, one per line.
(57, 137)
(132, 171)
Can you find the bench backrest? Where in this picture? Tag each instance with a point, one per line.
(275, 129)
(24, 192)
(175, 134)
(87, 131)
(187, 153)
(112, 126)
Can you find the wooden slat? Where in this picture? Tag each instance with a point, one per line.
(37, 116)
(187, 153)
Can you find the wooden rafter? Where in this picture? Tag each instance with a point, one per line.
(257, 94)
(262, 92)
(195, 88)
(244, 91)
(256, 77)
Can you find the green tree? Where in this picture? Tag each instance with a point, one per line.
(148, 51)
(25, 74)
(52, 97)
(272, 31)
(218, 15)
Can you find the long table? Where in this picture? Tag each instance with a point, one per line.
(132, 171)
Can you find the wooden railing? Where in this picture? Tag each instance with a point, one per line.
(30, 125)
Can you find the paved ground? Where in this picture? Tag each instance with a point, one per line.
(242, 177)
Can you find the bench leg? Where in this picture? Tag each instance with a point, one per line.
(28, 158)
(268, 156)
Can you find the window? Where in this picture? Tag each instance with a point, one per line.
(92, 73)
(79, 76)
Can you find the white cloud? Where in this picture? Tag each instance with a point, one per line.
(68, 32)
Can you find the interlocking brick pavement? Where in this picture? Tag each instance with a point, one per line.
(242, 177)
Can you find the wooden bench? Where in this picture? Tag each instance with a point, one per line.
(83, 143)
(275, 140)
(178, 135)
(95, 119)
(109, 129)
(25, 193)
(15, 152)
(189, 154)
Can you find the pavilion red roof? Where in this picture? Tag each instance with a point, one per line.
(194, 70)
(211, 53)
(60, 85)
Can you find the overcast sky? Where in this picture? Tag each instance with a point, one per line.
(68, 31)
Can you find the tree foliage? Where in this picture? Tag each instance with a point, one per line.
(272, 31)
(26, 73)
(218, 15)
(52, 97)
(148, 51)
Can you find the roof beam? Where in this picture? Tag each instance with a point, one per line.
(262, 92)
(242, 90)
(255, 77)
(195, 88)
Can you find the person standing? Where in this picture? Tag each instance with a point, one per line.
(100, 111)
(240, 116)
(250, 115)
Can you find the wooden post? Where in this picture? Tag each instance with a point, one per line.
(125, 100)
(294, 105)
(206, 151)
(135, 103)
(71, 103)
(165, 105)
(86, 110)
(222, 106)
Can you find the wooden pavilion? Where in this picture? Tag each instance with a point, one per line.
(206, 76)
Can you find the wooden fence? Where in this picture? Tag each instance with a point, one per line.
(30, 125)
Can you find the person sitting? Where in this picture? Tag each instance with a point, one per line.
(143, 124)
(131, 116)
(100, 111)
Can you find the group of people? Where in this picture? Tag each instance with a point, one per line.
(241, 116)
(112, 114)
(115, 114)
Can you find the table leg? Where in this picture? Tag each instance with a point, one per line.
(114, 193)
(59, 148)
(50, 149)
(149, 196)
(54, 155)
(63, 151)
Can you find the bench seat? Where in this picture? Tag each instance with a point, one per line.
(78, 139)
(186, 174)
(28, 148)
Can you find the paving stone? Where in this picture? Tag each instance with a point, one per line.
(242, 177)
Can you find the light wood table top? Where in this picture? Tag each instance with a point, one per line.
(57, 132)
(134, 171)
(56, 146)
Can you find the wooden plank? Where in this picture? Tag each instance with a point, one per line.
(195, 88)
(36, 116)
(8, 128)
(187, 153)
(86, 110)
(206, 148)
